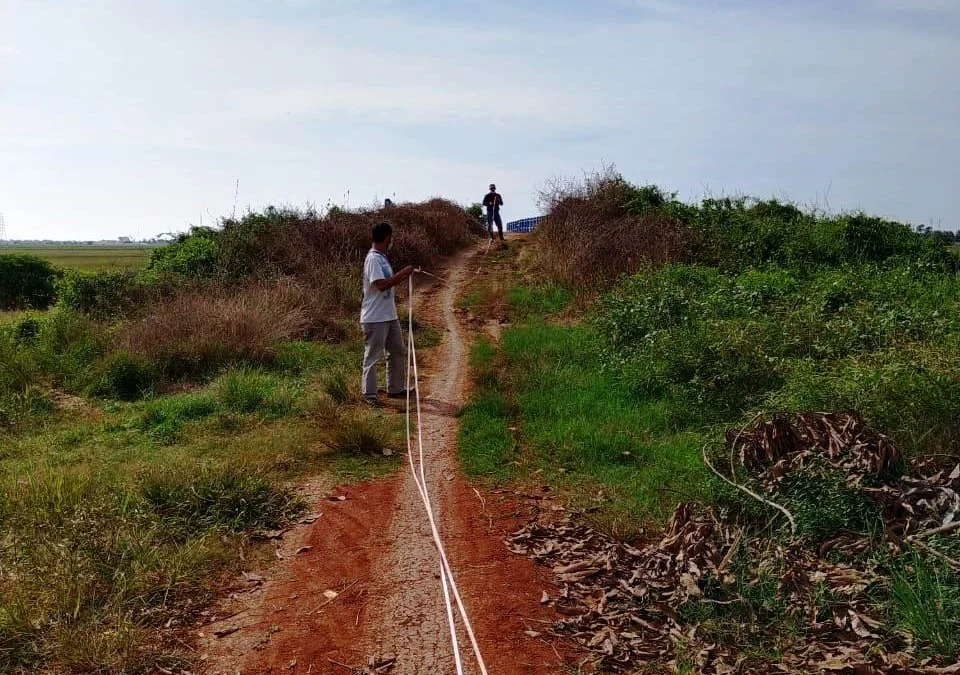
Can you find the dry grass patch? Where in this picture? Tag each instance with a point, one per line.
(197, 333)
(590, 236)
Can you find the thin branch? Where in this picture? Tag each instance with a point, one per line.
(343, 665)
(733, 550)
(937, 530)
(793, 524)
(733, 446)
(954, 564)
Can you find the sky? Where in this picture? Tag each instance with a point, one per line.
(139, 117)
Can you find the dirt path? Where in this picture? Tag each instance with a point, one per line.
(368, 585)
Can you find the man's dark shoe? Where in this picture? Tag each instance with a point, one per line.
(372, 401)
(402, 394)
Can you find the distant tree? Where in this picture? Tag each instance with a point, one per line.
(476, 210)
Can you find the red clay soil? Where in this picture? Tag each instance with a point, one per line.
(373, 550)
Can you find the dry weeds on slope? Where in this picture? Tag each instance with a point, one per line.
(721, 593)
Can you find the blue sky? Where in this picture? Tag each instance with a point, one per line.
(136, 117)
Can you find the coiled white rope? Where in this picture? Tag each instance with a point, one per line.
(446, 573)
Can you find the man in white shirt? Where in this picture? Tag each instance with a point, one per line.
(379, 321)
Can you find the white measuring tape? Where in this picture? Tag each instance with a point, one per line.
(420, 478)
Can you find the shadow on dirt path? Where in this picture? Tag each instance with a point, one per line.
(362, 580)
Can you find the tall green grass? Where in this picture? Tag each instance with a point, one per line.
(926, 604)
(580, 419)
(485, 442)
(879, 341)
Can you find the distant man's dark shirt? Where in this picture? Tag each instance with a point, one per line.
(493, 201)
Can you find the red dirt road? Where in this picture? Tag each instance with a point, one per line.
(374, 550)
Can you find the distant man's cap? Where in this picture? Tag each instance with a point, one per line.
(492, 186)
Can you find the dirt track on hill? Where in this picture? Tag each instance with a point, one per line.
(362, 580)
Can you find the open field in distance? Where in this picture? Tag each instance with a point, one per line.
(93, 257)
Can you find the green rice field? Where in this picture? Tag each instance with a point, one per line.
(92, 257)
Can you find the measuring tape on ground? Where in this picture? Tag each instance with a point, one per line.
(447, 579)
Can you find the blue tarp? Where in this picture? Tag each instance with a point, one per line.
(523, 225)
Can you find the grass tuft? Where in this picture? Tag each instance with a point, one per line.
(233, 499)
(362, 433)
(926, 603)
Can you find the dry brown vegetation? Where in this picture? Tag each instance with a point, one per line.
(299, 244)
(278, 276)
(590, 237)
(199, 331)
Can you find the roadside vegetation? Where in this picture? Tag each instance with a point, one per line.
(153, 423)
(645, 334)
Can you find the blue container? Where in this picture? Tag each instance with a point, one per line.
(524, 225)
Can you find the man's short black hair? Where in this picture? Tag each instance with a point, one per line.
(381, 231)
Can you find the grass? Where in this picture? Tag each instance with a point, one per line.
(581, 423)
(93, 258)
(926, 604)
(485, 440)
(119, 517)
(157, 418)
(546, 404)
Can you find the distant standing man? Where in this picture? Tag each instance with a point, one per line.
(379, 321)
(493, 201)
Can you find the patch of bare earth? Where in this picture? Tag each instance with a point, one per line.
(361, 581)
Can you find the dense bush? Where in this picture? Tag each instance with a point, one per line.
(68, 346)
(124, 377)
(290, 242)
(192, 256)
(600, 229)
(101, 294)
(595, 233)
(845, 338)
(738, 233)
(26, 282)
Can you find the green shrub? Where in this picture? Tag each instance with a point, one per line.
(26, 282)
(192, 256)
(729, 341)
(101, 294)
(21, 406)
(124, 377)
(181, 407)
(167, 432)
(475, 211)
(825, 505)
(911, 393)
(337, 385)
(18, 368)
(70, 343)
(26, 331)
(301, 357)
